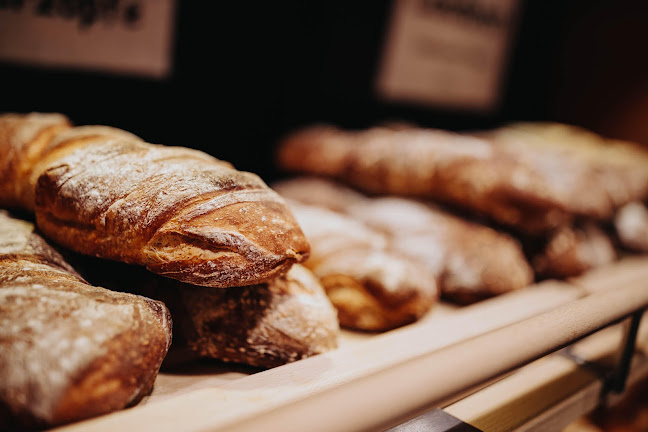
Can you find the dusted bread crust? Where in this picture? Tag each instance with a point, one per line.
(179, 212)
(69, 350)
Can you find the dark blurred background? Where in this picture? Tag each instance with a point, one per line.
(246, 73)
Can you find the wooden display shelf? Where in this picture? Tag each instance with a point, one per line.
(374, 381)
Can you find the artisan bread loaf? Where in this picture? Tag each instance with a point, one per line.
(69, 350)
(265, 325)
(179, 212)
(371, 287)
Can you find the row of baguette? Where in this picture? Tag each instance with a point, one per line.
(194, 220)
(390, 209)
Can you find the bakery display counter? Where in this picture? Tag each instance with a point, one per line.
(497, 365)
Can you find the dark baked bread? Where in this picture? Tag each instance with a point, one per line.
(371, 287)
(266, 325)
(179, 212)
(69, 350)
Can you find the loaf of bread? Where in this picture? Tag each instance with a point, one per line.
(587, 166)
(631, 224)
(69, 350)
(372, 288)
(179, 212)
(573, 250)
(266, 325)
(527, 180)
(472, 261)
(263, 325)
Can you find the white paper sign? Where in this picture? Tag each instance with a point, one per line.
(123, 36)
(447, 53)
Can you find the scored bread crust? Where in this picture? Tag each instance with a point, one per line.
(69, 350)
(179, 212)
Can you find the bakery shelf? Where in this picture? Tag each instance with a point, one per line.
(377, 381)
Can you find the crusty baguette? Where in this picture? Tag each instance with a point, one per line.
(371, 287)
(631, 224)
(574, 249)
(528, 180)
(264, 325)
(69, 350)
(179, 212)
(472, 261)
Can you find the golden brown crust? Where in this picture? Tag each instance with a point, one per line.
(371, 287)
(179, 212)
(69, 350)
(182, 215)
